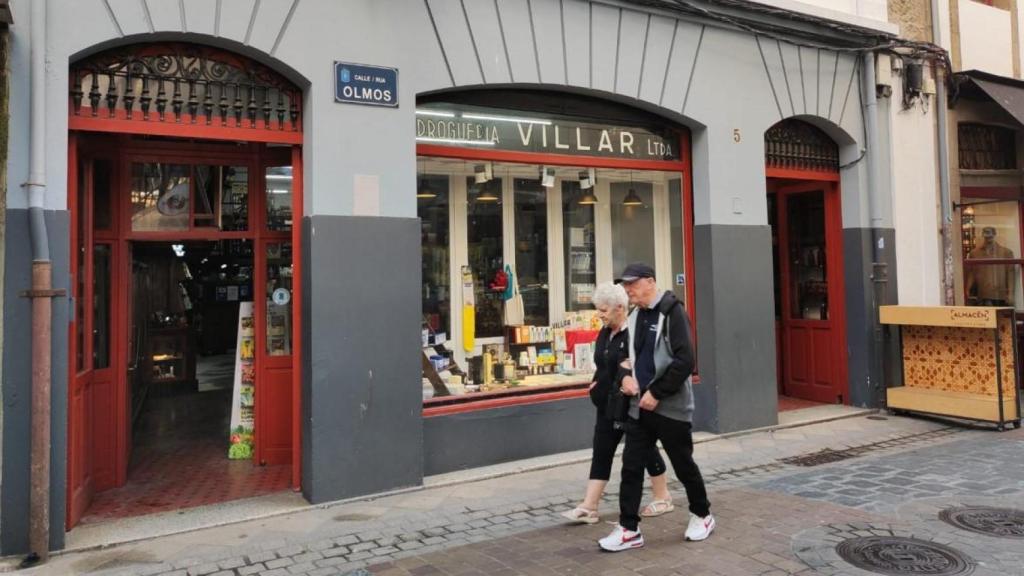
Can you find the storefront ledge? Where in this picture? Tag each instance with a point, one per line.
(504, 401)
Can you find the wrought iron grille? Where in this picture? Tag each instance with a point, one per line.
(183, 83)
(985, 147)
(797, 145)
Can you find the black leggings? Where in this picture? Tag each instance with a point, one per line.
(606, 440)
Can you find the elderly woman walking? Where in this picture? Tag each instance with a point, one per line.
(611, 351)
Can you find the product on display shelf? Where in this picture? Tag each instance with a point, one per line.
(242, 433)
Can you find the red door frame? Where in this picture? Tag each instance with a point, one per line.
(784, 182)
(120, 237)
(682, 165)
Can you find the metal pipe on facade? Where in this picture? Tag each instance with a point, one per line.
(40, 294)
(941, 113)
(879, 266)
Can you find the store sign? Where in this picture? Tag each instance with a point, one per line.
(361, 84)
(501, 130)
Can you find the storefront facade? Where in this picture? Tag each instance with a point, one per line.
(661, 118)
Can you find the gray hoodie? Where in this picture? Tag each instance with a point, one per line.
(673, 361)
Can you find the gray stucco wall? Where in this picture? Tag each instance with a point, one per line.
(361, 418)
(17, 377)
(736, 328)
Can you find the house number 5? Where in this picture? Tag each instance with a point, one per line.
(736, 136)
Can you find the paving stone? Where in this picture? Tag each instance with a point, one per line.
(251, 569)
(261, 557)
(279, 563)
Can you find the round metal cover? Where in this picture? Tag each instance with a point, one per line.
(896, 556)
(1001, 522)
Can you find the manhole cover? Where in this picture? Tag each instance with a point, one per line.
(826, 456)
(1001, 522)
(896, 555)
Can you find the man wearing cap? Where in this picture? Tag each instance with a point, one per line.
(661, 407)
(990, 285)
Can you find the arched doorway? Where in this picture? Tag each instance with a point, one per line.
(802, 168)
(184, 167)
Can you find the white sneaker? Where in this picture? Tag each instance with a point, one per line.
(621, 539)
(700, 528)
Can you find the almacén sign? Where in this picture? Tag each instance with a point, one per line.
(363, 84)
(508, 130)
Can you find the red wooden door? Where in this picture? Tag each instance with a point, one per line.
(275, 305)
(810, 271)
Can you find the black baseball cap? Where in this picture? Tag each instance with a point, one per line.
(634, 272)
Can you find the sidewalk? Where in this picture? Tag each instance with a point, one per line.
(507, 513)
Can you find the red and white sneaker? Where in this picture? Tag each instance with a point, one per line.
(700, 528)
(621, 539)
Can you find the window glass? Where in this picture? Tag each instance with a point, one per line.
(222, 197)
(102, 180)
(432, 207)
(484, 247)
(579, 246)
(531, 247)
(160, 197)
(279, 298)
(279, 198)
(632, 226)
(808, 278)
(80, 262)
(677, 240)
(991, 231)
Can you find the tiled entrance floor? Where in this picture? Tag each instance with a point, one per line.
(180, 460)
(787, 403)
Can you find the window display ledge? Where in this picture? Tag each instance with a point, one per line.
(483, 401)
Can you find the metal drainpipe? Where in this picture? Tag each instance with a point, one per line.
(941, 113)
(40, 294)
(879, 268)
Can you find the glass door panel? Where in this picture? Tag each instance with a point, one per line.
(484, 232)
(808, 278)
(279, 298)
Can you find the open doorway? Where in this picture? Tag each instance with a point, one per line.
(191, 381)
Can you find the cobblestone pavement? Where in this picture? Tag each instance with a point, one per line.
(775, 516)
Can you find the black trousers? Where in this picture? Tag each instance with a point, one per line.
(677, 440)
(606, 440)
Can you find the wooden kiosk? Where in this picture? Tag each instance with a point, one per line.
(957, 361)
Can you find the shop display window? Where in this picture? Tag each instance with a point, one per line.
(279, 198)
(632, 223)
(991, 231)
(160, 197)
(484, 229)
(101, 260)
(531, 249)
(563, 229)
(432, 207)
(102, 180)
(579, 246)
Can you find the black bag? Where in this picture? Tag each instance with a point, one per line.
(617, 408)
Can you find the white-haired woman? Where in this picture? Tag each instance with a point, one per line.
(610, 351)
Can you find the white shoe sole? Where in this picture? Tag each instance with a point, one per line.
(702, 538)
(630, 546)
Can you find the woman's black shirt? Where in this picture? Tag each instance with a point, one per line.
(609, 351)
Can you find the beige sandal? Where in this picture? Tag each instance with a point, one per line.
(582, 515)
(657, 508)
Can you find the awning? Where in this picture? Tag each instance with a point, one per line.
(1008, 93)
(5, 13)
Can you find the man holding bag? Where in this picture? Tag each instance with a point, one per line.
(661, 407)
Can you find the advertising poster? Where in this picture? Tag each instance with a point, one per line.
(243, 400)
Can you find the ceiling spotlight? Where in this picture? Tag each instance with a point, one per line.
(547, 176)
(483, 173)
(588, 178)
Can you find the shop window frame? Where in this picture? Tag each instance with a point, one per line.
(972, 195)
(483, 400)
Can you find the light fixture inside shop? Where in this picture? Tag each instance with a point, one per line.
(487, 195)
(425, 191)
(632, 199)
(507, 119)
(438, 113)
(588, 198)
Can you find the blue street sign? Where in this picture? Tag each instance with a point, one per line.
(362, 84)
